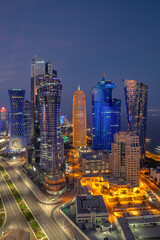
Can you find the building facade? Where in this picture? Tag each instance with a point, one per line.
(105, 113)
(124, 159)
(39, 70)
(94, 162)
(27, 121)
(17, 140)
(79, 119)
(91, 209)
(136, 95)
(3, 122)
(49, 95)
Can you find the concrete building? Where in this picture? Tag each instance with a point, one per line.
(124, 159)
(91, 209)
(155, 173)
(94, 162)
(79, 119)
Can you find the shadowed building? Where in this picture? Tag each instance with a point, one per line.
(105, 114)
(17, 140)
(79, 119)
(49, 97)
(136, 94)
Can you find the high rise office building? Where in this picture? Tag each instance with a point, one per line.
(17, 140)
(79, 119)
(27, 121)
(39, 70)
(49, 95)
(136, 94)
(124, 158)
(106, 113)
(3, 122)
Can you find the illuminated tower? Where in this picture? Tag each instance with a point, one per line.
(3, 122)
(79, 119)
(49, 95)
(39, 70)
(105, 114)
(27, 121)
(136, 94)
(17, 140)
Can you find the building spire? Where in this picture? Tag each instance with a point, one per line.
(79, 87)
(104, 75)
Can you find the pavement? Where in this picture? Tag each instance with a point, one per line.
(14, 217)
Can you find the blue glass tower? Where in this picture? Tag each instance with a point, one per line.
(105, 113)
(17, 140)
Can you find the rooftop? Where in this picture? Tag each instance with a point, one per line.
(87, 204)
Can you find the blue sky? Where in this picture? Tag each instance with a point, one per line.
(83, 39)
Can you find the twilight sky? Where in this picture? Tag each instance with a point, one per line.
(83, 39)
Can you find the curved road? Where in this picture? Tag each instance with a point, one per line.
(50, 227)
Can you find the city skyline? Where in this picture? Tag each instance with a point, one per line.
(119, 55)
(79, 163)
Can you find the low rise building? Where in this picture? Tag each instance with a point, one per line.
(94, 162)
(155, 173)
(91, 209)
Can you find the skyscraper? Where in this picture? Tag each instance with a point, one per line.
(17, 140)
(49, 95)
(124, 159)
(3, 122)
(105, 114)
(39, 70)
(79, 119)
(136, 94)
(27, 121)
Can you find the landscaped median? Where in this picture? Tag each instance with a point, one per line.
(2, 213)
(25, 210)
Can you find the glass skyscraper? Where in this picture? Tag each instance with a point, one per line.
(17, 140)
(136, 95)
(49, 95)
(3, 122)
(39, 69)
(27, 121)
(79, 119)
(106, 113)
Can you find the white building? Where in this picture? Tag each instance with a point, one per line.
(124, 159)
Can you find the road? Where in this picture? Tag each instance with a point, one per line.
(50, 227)
(14, 217)
(150, 185)
(67, 225)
